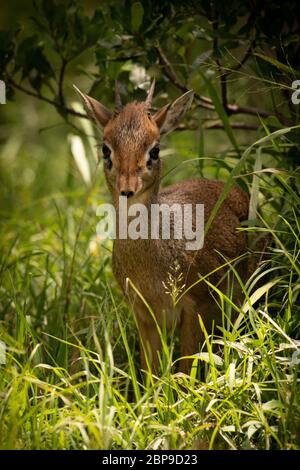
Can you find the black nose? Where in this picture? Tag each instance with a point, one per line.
(127, 193)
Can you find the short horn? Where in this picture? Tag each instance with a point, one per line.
(148, 102)
(118, 101)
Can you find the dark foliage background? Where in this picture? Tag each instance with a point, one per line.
(71, 340)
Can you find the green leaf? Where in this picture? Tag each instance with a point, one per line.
(279, 65)
(230, 181)
(253, 204)
(137, 13)
(206, 357)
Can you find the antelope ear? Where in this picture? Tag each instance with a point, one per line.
(96, 110)
(168, 117)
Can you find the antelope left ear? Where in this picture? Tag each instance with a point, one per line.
(168, 117)
(96, 110)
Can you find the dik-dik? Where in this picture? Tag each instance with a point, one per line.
(132, 166)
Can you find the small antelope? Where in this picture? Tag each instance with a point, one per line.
(132, 166)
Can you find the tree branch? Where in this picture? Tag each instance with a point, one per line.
(203, 101)
(234, 125)
(41, 97)
(169, 71)
(61, 82)
(244, 59)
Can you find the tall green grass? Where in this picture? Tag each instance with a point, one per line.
(71, 378)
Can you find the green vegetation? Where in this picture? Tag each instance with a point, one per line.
(71, 378)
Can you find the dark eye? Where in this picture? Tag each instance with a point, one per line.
(106, 151)
(107, 156)
(154, 152)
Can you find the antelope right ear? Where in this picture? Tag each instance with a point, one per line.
(98, 112)
(168, 117)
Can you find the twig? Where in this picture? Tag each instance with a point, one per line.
(61, 82)
(203, 101)
(44, 98)
(234, 125)
(223, 83)
(244, 59)
(169, 71)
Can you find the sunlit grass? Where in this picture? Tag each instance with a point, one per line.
(71, 378)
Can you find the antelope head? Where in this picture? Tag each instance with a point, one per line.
(131, 136)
